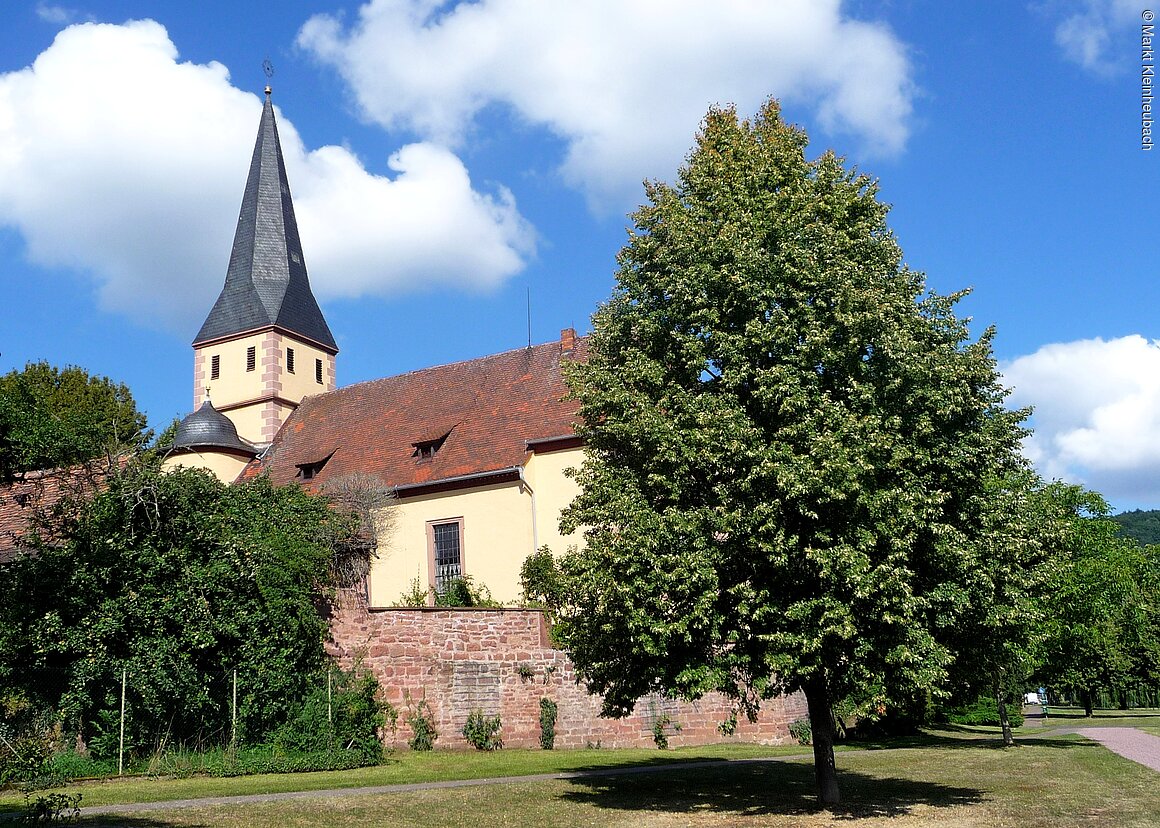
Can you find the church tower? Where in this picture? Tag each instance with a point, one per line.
(265, 344)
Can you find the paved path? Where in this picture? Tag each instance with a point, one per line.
(1128, 742)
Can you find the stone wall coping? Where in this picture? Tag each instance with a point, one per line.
(536, 610)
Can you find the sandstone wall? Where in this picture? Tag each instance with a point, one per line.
(501, 661)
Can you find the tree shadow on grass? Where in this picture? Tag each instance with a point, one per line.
(757, 788)
(128, 821)
(972, 740)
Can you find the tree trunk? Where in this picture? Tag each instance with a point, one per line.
(822, 732)
(1087, 703)
(1124, 700)
(1004, 719)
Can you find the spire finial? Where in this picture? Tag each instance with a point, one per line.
(268, 69)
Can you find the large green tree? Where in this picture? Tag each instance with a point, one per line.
(788, 444)
(997, 637)
(178, 580)
(1102, 627)
(52, 417)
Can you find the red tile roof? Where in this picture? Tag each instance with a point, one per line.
(488, 408)
(40, 491)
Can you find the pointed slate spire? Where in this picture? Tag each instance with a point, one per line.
(266, 282)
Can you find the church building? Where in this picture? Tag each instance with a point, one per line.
(475, 451)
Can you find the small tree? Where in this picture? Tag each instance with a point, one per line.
(372, 503)
(788, 444)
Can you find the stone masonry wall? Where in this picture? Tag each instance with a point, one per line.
(500, 661)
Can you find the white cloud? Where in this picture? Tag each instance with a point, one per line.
(1088, 28)
(120, 161)
(1097, 413)
(622, 82)
(56, 15)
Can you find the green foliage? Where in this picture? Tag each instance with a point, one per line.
(482, 731)
(422, 723)
(178, 580)
(52, 808)
(548, 712)
(800, 729)
(659, 736)
(464, 592)
(788, 443)
(72, 765)
(52, 417)
(246, 761)
(25, 741)
(1102, 628)
(416, 595)
(540, 580)
(345, 715)
(983, 711)
(998, 633)
(1140, 524)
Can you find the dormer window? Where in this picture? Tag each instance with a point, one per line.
(425, 449)
(309, 471)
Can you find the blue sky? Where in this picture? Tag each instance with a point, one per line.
(448, 159)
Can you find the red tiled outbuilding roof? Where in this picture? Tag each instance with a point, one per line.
(35, 494)
(478, 416)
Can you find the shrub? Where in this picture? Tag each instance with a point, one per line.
(416, 596)
(801, 730)
(548, 710)
(463, 592)
(26, 739)
(72, 765)
(482, 731)
(346, 715)
(983, 711)
(56, 807)
(422, 725)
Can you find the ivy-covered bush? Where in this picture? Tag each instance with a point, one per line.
(548, 711)
(180, 583)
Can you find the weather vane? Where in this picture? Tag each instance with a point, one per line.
(268, 69)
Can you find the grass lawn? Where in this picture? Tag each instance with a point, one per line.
(949, 779)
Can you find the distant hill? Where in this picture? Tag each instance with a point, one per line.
(1143, 525)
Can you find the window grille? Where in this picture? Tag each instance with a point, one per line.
(251, 358)
(448, 554)
(290, 360)
(318, 371)
(215, 366)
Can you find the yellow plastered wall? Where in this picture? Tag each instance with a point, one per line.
(234, 383)
(497, 531)
(554, 491)
(225, 466)
(497, 536)
(302, 383)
